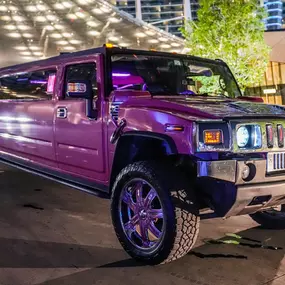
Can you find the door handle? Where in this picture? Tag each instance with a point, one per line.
(61, 112)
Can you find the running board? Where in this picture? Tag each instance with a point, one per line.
(100, 190)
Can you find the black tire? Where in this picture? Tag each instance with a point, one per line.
(271, 219)
(177, 199)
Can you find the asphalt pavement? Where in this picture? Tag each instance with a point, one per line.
(54, 235)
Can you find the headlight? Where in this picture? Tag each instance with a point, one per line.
(249, 136)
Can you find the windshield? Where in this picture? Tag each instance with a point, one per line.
(168, 76)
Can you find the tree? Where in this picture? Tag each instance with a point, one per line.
(231, 30)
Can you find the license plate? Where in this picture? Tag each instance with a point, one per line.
(275, 162)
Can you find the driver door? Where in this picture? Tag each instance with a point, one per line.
(79, 140)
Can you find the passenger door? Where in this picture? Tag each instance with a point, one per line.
(79, 140)
(26, 116)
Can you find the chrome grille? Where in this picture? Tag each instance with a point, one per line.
(275, 161)
(279, 161)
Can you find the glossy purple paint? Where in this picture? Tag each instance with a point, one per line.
(79, 146)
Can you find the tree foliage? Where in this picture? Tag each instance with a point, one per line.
(231, 30)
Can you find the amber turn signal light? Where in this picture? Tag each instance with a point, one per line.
(109, 45)
(213, 137)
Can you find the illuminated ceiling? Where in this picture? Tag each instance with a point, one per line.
(31, 29)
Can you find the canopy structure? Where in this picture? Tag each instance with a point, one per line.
(34, 29)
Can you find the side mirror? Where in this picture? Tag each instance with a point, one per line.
(79, 89)
(83, 89)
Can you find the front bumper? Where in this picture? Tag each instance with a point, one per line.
(272, 187)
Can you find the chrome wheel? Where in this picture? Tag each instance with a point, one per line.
(141, 215)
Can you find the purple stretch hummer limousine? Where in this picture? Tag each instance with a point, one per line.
(168, 136)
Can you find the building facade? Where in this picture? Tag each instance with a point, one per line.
(276, 14)
(167, 15)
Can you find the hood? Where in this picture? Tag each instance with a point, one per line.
(228, 108)
(202, 107)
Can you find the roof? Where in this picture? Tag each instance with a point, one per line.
(64, 57)
(33, 30)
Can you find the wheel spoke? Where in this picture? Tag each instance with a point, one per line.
(149, 198)
(127, 199)
(138, 189)
(129, 227)
(155, 214)
(154, 230)
(144, 233)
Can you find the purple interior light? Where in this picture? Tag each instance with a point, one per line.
(120, 74)
(38, 81)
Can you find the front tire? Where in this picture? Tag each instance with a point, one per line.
(154, 212)
(271, 219)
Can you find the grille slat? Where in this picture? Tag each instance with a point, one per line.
(279, 161)
(115, 107)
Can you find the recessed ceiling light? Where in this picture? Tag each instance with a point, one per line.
(67, 35)
(27, 35)
(165, 46)
(150, 33)
(92, 24)
(3, 8)
(41, 7)
(40, 19)
(59, 6)
(153, 41)
(23, 27)
(67, 4)
(20, 48)
(25, 53)
(140, 35)
(97, 11)
(31, 8)
(62, 43)
(124, 44)
(163, 39)
(75, 42)
(49, 28)
(81, 15)
(175, 44)
(71, 16)
(5, 18)
(113, 39)
(56, 35)
(51, 17)
(14, 35)
(37, 53)
(106, 9)
(82, 2)
(34, 48)
(69, 48)
(59, 27)
(13, 8)
(10, 27)
(18, 18)
(93, 33)
(114, 20)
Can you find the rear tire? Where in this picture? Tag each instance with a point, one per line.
(178, 222)
(271, 219)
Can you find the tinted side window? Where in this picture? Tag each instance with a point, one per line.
(33, 85)
(84, 71)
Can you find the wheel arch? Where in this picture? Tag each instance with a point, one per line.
(140, 145)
